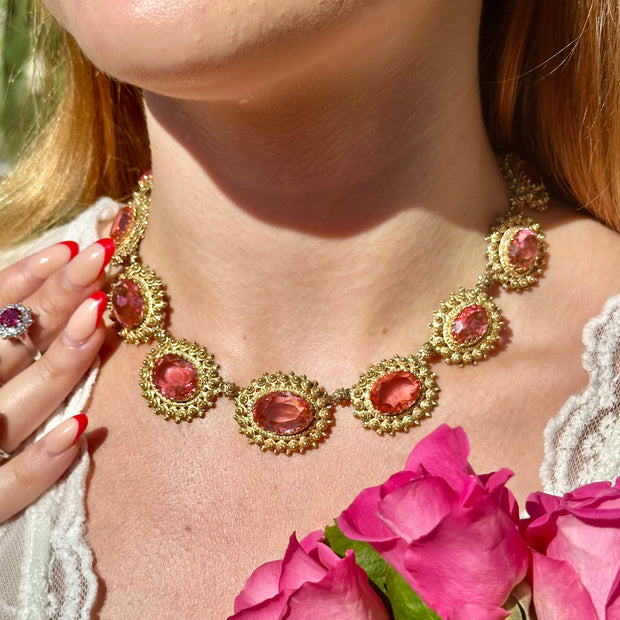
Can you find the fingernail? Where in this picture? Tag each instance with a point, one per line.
(66, 434)
(74, 248)
(90, 263)
(46, 262)
(85, 319)
(108, 246)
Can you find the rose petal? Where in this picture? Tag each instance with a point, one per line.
(443, 453)
(311, 541)
(593, 491)
(343, 593)
(314, 546)
(540, 503)
(594, 554)
(603, 515)
(557, 591)
(360, 521)
(298, 567)
(275, 608)
(467, 612)
(612, 606)
(474, 556)
(413, 510)
(472, 491)
(262, 585)
(495, 484)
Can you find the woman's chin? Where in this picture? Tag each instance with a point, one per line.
(194, 48)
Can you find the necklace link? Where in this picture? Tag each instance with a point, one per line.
(288, 413)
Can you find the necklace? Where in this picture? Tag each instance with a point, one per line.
(289, 412)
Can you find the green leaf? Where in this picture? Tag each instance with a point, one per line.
(365, 555)
(406, 604)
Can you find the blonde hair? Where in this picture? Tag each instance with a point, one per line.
(92, 142)
(550, 88)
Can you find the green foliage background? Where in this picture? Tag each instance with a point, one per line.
(19, 92)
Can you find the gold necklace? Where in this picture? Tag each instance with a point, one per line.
(291, 413)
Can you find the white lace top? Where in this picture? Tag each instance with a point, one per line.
(46, 567)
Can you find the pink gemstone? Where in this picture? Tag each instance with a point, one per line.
(395, 392)
(127, 303)
(175, 377)
(121, 223)
(283, 413)
(10, 317)
(524, 249)
(470, 324)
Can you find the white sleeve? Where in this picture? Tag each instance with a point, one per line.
(582, 442)
(46, 566)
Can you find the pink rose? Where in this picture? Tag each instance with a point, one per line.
(575, 543)
(451, 534)
(310, 582)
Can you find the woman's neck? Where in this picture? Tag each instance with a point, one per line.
(329, 209)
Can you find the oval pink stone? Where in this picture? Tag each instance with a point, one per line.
(10, 317)
(524, 249)
(395, 392)
(121, 223)
(175, 377)
(283, 413)
(127, 303)
(470, 324)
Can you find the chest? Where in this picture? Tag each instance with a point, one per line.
(180, 515)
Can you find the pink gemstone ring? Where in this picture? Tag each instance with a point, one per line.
(15, 320)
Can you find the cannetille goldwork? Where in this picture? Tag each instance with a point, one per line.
(289, 413)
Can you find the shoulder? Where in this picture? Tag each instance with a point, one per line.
(582, 318)
(590, 251)
(83, 229)
(583, 267)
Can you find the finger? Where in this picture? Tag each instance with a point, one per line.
(35, 393)
(24, 277)
(26, 476)
(53, 302)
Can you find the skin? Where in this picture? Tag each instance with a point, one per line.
(68, 329)
(322, 178)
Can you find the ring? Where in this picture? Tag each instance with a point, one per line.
(4, 455)
(15, 320)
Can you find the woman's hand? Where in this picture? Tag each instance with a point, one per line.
(63, 292)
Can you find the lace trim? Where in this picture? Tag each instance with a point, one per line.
(46, 567)
(57, 580)
(582, 442)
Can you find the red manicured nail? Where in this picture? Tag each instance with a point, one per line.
(102, 299)
(82, 421)
(65, 435)
(108, 247)
(74, 248)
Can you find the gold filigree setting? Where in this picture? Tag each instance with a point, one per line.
(287, 413)
(208, 383)
(127, 244)
(390, 423)
(528, 190)
(501, 267)
(308, 437)
(465, 350)
(151, 290)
